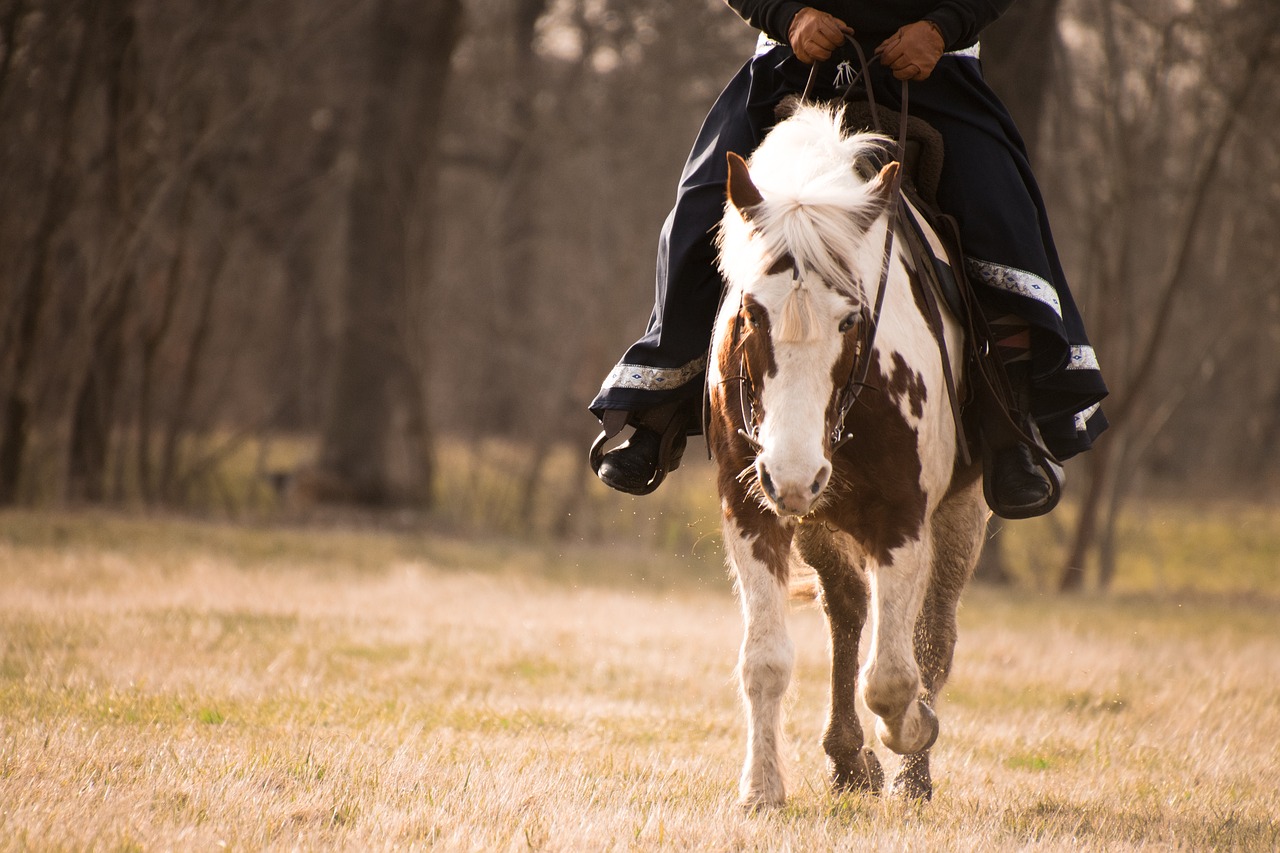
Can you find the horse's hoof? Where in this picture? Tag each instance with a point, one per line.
(865, 776)
(913, 781)
(759, 801)
(908, 786)
(916, 732)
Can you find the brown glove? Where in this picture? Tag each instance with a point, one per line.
(814, 35)
(912, 51)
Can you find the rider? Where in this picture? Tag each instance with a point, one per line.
(986, 184)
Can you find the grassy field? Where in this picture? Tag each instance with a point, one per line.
(169, 684)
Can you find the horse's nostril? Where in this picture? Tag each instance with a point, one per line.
(766, 482)
(820, 482)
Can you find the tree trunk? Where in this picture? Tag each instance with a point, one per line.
(11, 19)
(508, 369)
(1073, 574)
(410, 49)
(93, 416)
(33, 290)
(179, 419)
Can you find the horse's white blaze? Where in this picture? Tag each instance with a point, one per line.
(793, 456)
(793, 429)
(764, 667)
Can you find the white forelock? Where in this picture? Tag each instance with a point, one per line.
(816, 207)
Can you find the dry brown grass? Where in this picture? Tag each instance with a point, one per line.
(170, 685)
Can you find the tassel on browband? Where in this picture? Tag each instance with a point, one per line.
(798, 320)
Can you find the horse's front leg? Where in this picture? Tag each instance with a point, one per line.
(957, 526)
(891, 677)
(758, 546)
(851, 764)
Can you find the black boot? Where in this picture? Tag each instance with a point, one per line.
(1015, 483)
(639, 465)
(632, 466)
(1019, 489)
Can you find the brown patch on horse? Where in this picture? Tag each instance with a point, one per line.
(781, 264)
(879, 469)
(771, 543)
(755, 341)
(907, 382)
(749, 336)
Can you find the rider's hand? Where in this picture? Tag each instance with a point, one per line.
(814, 35)
(912, 51)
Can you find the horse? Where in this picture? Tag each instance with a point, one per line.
(836, 448)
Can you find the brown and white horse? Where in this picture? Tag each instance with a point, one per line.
(866, 488)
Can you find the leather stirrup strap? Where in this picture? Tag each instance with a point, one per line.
(612, 421)
(924, 281)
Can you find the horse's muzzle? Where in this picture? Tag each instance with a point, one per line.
(792, 495)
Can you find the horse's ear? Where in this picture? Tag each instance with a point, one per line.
(884, 180)
(741, 191)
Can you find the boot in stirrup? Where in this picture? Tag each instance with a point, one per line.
(639, 465)
(1017, 481)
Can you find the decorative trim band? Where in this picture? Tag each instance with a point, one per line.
(1016, 281)
(645, 378)
(1082, 417)
(1083, 358)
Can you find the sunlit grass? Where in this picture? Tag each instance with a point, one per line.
(168, 683)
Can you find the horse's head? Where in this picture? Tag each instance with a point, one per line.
(803, 260)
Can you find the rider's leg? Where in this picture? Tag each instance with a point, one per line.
(659, 380)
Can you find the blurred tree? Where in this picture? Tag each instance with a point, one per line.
(220, 220)
(1172, 94)
(114, 54)
(409, 52)
(49, 49)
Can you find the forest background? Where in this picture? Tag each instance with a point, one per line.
(265, 257)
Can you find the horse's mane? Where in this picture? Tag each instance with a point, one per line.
(816, 208)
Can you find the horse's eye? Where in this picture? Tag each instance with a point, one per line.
(749, 317)
(848, 322)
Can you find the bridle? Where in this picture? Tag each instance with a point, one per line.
(868, 320)
(856, 381)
